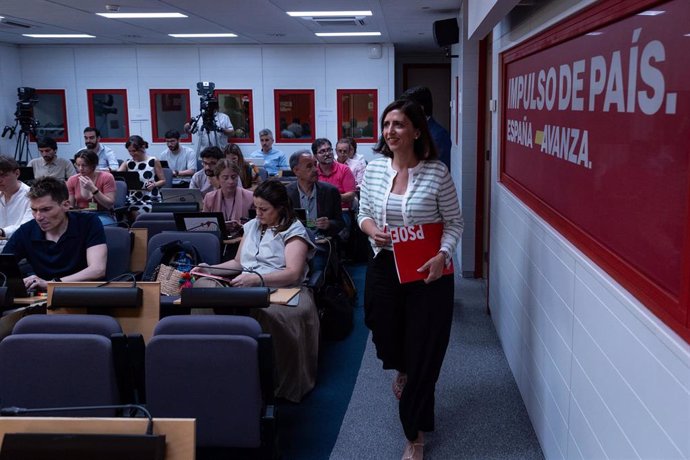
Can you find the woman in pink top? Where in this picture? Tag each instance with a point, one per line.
(231, 198)
(89, 185)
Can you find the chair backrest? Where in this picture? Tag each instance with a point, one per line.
(120, 193)
(155, 226)
(119, 242)
(211, 374)
(58, 370)
(68, 324)
(155, 216)
(207, 244)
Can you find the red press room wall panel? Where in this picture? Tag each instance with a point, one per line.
(595, 138)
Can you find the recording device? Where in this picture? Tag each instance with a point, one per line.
(24, 115)
(208, 104)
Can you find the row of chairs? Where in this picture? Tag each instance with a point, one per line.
(216, 369)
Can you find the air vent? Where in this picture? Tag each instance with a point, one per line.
(5, 22)
(348, 21)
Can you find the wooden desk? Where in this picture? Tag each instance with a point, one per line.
(29, 300)
(180, 434)
(139, 249)
(133, 320)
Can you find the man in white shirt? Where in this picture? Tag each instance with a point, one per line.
(106, 157)
(181, 159)
(209, 138)
(50, 164)
(15, 206)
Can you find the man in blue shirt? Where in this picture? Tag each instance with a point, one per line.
(274, 159)
(58, 245)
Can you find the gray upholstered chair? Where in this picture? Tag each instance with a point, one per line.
(217, 369)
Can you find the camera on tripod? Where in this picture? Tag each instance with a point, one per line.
(24, 115)
(208, 104)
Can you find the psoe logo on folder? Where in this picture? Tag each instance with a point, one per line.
(403, 234)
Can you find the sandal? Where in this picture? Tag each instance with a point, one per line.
(413, 451)
(399, 384)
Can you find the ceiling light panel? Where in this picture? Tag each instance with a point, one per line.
(142, 15)
(203, 35)
(324, 14)
(348, 34)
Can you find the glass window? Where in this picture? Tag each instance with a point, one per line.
(50, 113)
(169, 110)
(357, 114)
(108, 113)
(237, 104)
(294, 111)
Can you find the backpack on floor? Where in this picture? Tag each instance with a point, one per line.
(336, 312)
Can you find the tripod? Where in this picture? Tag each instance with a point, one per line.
(21, 151)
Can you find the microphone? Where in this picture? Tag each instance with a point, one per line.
(14, 411)
(234, 271)
(211, 224)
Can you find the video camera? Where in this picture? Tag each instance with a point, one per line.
(208, 104)
(24, 115)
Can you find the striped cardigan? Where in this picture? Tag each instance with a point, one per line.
(430, 197)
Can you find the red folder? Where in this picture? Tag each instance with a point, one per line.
(413, 246)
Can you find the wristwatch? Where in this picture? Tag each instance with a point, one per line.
(95, 192)
(447, 256)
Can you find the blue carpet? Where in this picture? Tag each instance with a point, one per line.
(308, 430)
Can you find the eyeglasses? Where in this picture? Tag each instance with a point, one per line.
(324, 151)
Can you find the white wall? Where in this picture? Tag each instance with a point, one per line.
(600, 375)
(259, 68)
(10, 80)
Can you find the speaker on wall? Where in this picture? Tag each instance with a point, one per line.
(446, 32)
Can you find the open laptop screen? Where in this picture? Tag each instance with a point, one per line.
(15, 281)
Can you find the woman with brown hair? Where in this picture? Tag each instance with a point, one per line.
(247, 174)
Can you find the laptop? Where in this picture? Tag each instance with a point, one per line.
(182, 195)
(164, 164)
(80, 446)
(9, 267)
(206, 222)
(26, 173)
(131, 178)
(256, 161)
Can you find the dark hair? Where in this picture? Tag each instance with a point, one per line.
(275, 193)
(212, 152)
(234, 149)
(224, 164)
(294, 158)
(318, 143)
(424, 148)
(47, 185)
(8, 164)
(46, 142)
(91, 128)
(172, 133)
(422, 96)
(89, 157)
(137, 142)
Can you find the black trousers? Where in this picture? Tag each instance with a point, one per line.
(410, 325)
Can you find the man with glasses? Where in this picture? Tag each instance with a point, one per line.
(336, 174)
(203, 180)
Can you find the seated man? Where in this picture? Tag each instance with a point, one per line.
(14, 204)
(181, 160)
(320, 200)
(203, 180)
(58, 245)
(274, 159)
(50, 164)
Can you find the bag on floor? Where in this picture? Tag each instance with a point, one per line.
(336, 312)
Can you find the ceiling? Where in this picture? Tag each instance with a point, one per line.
(407, 24)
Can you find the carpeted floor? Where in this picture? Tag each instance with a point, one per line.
(479, 411)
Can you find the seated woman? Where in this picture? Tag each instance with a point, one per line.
(150, 175)
(230, 198)
(276, 246)
(90, 188)
(248, 176)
